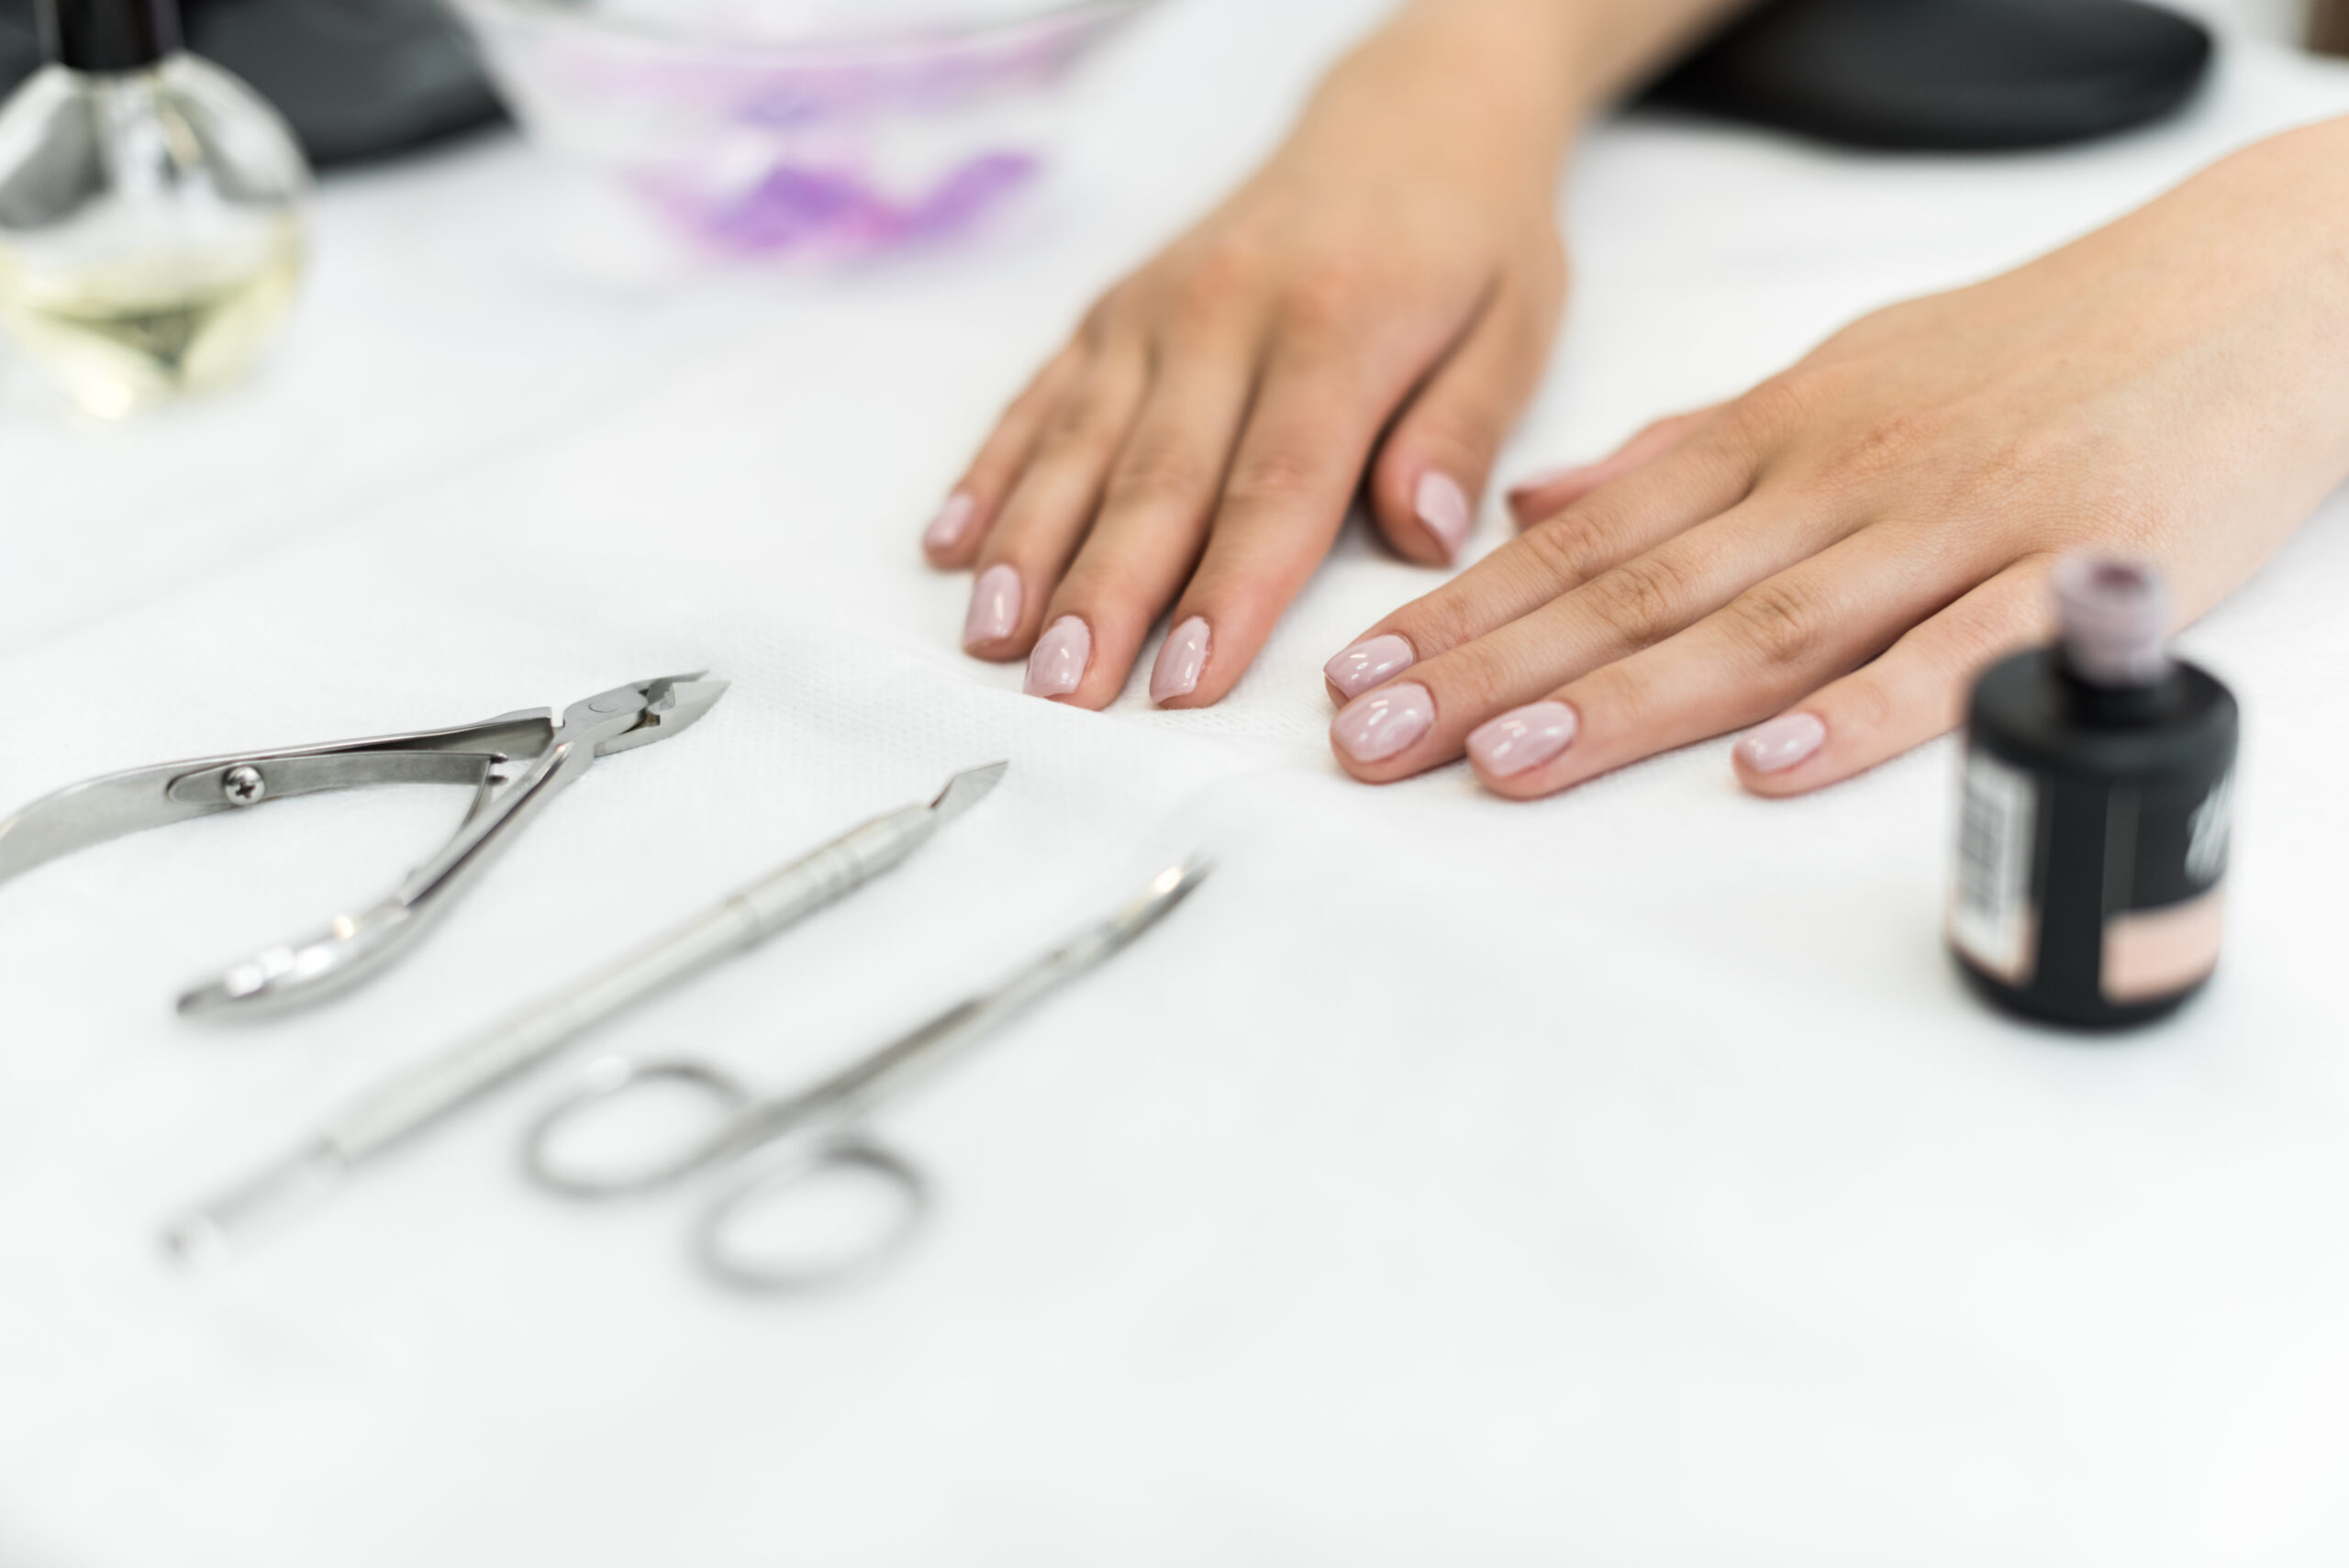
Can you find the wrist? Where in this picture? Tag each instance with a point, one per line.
(1491, 85)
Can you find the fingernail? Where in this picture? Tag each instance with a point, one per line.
(1522, 738)
(1369, 662)
(954, 520)
(995, 606)
(1176, 674)
(1376, 726)
(1057, 665)
(1443, 508)
(1544, 480)
(1774, 747)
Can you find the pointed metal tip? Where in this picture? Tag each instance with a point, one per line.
(1174, 884)
(965, 790)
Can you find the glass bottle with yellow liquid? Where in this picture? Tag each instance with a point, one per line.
(151, 211)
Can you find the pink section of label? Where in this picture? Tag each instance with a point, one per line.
(2151, 953)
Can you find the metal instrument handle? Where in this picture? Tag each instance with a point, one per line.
(356, 945)
(725, 1253)
(616, 1082)
(98, 809)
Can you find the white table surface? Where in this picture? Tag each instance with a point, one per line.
(1619, 1180)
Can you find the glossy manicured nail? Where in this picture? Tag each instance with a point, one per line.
(954, 520)
(1057, 665)
(995, 606)
(1369, 664)
(1373, 729)
(1176, 674)
(1443, 508)
(1522, 738)
(1774, 747)
(1545, 479)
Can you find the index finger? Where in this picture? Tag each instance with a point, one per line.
(1712, 470)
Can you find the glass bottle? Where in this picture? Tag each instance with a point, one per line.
(151, 211)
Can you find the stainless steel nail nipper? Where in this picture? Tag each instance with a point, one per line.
(517, 763)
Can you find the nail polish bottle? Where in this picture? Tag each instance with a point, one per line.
(2096, 811)
(150, 210)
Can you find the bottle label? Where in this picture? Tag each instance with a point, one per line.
(2166, 854)
(1992, 919)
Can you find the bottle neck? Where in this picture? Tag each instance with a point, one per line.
(2101, 705)
(108, 37)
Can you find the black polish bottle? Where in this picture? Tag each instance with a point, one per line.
(2094, 816)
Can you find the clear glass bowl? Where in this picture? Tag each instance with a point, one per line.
(767, 126)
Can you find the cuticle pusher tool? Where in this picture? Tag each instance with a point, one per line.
(410, 1102)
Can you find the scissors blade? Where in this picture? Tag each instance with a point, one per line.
(861, 1084)
(965, 790)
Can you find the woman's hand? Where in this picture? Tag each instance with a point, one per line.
(1834, 555)
(1381, 296)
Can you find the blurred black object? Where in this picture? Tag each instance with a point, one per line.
(1946, 75)
(356, 78)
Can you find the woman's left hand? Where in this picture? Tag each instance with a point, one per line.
(1835, 555)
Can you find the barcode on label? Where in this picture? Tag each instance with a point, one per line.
(1991, 918)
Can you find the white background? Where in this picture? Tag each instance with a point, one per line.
(1619, 1180)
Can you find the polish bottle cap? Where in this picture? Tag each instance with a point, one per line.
(2115, 614)
(100, 36)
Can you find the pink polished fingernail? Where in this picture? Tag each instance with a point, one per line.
(1057, 665)
(995, 606)
(1443, 508)
(1522, 739)
(954, 520)
(1373, 729)
(1176, 674)
(1368, 663)
(1774, 747)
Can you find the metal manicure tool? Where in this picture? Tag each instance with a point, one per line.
(822, 1124)
(517, 763)
(434, 1089)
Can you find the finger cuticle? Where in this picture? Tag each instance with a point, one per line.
(1522, 739)
(1382, 724)
(1182, 661)
(1056, 665)
(996, 601)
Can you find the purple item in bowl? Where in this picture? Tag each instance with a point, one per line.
(775, 126)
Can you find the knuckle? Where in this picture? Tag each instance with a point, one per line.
(1085, 420)
(1161, 471)
(1647, 598)
(1326, 302)
(1275, 479)
(1772, 411)
(1216, 275)
(1567, 551)
(1780, 621)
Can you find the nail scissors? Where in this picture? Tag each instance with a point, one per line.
(432, 1090)
(518, 763)
(818, 1133)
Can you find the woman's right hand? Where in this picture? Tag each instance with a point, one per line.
(1380, 299)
